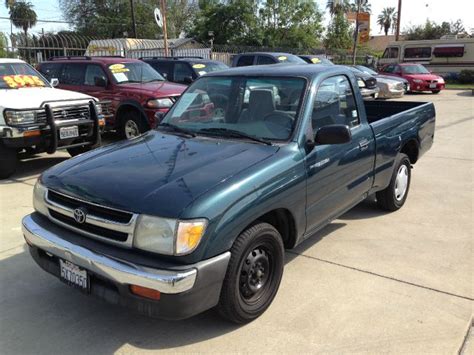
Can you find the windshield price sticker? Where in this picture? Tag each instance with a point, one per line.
(118, 68)
(282, 58)
(315, 60)
(199, 66)
(19, 81)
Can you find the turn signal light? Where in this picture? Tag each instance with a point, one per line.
(145, 292)
(31, 133)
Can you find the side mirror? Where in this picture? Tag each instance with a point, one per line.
(187, 80)
(333, 134)
(100, 81)
(54, 82)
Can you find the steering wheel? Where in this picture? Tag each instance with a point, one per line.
(280, 119)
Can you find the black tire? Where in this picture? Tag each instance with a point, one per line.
(253, 275)
(131, 124)
(435, 91)
(8, 161)
(391, 199)
(79, 150)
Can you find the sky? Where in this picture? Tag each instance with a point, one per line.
(414, 12)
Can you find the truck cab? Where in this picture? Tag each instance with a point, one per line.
(35, 117)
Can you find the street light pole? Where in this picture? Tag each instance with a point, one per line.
(399, 15)
(165, 30)
(134, 24)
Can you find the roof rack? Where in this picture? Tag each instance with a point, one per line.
(173, 57)
(83, 57)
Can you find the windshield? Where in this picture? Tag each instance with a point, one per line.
(134, 72)
(414, 69)
(367, 70)
(261, 107)
(20, 75)
(207, 67)
(289, 58)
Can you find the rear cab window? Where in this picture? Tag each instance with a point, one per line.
(245, 60)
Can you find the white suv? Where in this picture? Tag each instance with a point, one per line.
(35, 117)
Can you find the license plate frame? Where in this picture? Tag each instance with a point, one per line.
(433, 86)
(68, 132)
(74, 276)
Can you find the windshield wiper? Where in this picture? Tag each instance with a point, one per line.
(152, 80)
(234, 133)
(177, 129)
(131, 81)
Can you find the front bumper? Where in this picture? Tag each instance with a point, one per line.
(186, 290)
(388, 93)
(371, 93)
(426, 86)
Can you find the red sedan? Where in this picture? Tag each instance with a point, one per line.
(418, 76)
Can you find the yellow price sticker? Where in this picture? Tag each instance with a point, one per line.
(282, 58)
(19, 81)
(315, 60)
(199, 66)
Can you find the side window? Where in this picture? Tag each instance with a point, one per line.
(163, 68)
(263, 59)
(417, 52)
(390, 52)
(397, 69)
(50, 70)
(73, 74)
(334, 104)
(181, 70)
(389, 69)
(245, 60)
(93, 71)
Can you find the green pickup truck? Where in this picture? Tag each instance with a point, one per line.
(198, 212)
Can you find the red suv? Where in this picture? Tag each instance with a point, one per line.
(418, 76)
(136, 91)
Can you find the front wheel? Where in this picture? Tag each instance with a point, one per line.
(395, 195)
(132, 125)
(435, 91)
(8, 161)
(253, 275)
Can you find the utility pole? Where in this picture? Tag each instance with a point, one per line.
(165, 31)
(356, 34)
(134, 24)
(399, 15)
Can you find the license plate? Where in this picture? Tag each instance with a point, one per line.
(73, 275)
(68, 132)
(432, 86)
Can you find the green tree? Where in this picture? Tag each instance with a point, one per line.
(338, 6)
(180, 16)
(339, 36)
(23, 16)
(387, 19)
(432, 30)
(291, 23)
(3, 46)
(365, 6)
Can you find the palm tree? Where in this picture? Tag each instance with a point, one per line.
(9, 3)
(364, 6)
(23, 16)
(338, 6)
(387, 19)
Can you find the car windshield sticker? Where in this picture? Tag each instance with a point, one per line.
(282, 58)
(316, 60)
(199, 66)
(202, 72)
(20, 81)
(118, 68)
(120, 77)
(184, 102)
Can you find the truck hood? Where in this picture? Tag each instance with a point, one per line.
(38, 97)
(156, 89)
(157, 173)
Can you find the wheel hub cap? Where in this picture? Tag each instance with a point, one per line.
(255, 273)
(131, 129)
(401, 182)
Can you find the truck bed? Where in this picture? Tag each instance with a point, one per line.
(377, 110)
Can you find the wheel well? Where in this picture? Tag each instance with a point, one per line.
(411, 149)
(129, 108)
(283, 222)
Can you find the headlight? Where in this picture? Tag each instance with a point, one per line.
(360, 83)
(440, 80)
(418, 81)
(39, 196)
(20, 117)
(168, 236)
(98, 108)
(159, 103)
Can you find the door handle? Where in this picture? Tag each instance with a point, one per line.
(364, 144)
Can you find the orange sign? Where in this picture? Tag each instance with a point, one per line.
(364, 24)
(19, 81)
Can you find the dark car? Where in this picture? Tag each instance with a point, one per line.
(367, 83)
(369, 71)
(136, 91)
(183, 70)
(198, 212)
(316, 59)
(263, 58)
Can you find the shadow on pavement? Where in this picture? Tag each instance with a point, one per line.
(466, 92)
(32, 167)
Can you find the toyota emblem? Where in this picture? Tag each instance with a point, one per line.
(80, 215)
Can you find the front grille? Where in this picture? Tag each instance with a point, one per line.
(72, 113)
(102, 223)
(431, 81)
(102, 212)
(90, 228)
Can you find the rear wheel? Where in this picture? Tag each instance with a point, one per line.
(435, 91)
(8, 161)
(395, 195)
(253, 275)
(131, 124)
